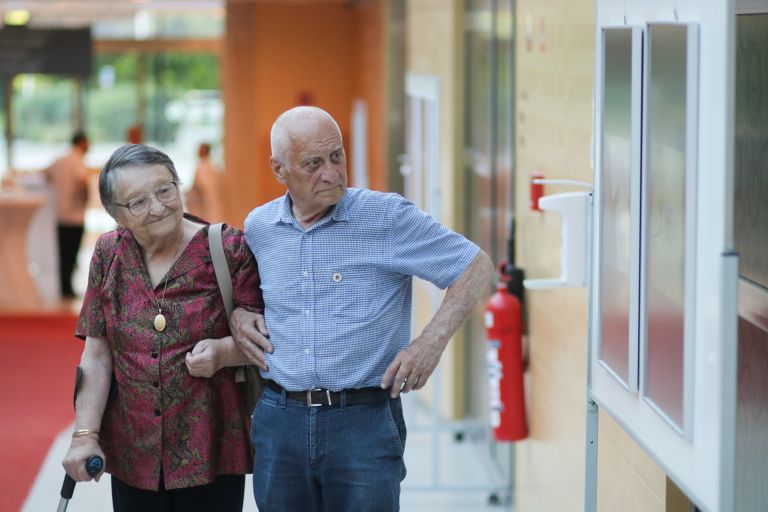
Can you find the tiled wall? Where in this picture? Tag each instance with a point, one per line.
(555, 68)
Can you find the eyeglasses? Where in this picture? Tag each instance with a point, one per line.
(165, 193)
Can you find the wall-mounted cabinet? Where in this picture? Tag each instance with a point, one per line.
(664, 274)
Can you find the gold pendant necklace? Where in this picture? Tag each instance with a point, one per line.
(159, 322)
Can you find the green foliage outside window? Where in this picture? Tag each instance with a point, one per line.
(42, 105)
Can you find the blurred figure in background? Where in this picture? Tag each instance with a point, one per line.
(135, 134)
(69, 177)
(203, 198)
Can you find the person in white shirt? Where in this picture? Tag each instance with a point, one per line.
(69, 177)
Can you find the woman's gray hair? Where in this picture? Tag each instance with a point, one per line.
(129, 155)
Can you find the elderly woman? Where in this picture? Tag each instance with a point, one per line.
(170, 440)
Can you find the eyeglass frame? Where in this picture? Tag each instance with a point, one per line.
(150, 197)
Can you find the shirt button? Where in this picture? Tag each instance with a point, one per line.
(157, 412)
(305, 273)
(306, 351)
(154, 355)
(156, 384)
(306, 312)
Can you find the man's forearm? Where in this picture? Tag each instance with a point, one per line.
(229, 354)
(460, 299)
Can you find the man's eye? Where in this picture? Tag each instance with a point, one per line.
(163, 191)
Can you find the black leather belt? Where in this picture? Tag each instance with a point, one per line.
(324, 397)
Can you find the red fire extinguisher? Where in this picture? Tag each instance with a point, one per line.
(504, 329)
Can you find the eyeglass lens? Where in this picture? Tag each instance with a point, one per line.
(164, 193)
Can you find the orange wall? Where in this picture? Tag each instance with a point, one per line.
(369, 85)
(278, 55)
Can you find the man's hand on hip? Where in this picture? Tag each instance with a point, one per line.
(249, 331)
(413, 366)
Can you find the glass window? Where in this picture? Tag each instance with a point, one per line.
(619, 167)
(489, 138)
(668, 208)
(751, 148)
(174, 97)
(42, 119)
(157, 24)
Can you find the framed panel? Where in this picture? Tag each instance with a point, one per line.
(687, 153)
(619, 215)
(751, 147)
(669, 222)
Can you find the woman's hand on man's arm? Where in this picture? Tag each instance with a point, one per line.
(211, 355)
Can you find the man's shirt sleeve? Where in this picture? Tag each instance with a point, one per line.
(425, 248)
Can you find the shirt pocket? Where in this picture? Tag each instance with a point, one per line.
(351, 292)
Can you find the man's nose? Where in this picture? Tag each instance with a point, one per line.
(330, 172)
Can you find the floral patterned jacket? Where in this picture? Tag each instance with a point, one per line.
(162, 418)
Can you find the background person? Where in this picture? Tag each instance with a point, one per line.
(171, 441)
(336, 275)
(135, 134)
(203, 197)
(69, 178)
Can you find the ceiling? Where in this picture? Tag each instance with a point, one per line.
(80, 13)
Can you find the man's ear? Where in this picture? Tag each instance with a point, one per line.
(278, 169)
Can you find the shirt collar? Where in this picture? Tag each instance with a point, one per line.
(284, 215)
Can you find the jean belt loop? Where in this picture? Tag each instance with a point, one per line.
(342, 399)
(283, 397)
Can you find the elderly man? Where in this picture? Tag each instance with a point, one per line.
(336, 268)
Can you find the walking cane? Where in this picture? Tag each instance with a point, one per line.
(93, 465)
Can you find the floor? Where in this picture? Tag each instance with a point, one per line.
(466, 478)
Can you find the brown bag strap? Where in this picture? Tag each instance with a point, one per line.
(220, 266)
(224, 278)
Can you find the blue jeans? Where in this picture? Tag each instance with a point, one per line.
(333, 459)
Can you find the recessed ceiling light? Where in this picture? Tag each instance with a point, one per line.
(18, 17)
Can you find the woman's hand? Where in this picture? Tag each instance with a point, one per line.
(211, 355)
(204, 360)
(79, 450)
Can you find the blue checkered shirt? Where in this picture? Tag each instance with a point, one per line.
(338, 294)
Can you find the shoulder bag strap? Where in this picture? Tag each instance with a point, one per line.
(220, 266)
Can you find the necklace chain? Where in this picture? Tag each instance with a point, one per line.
(160, 318)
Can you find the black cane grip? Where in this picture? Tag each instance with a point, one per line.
(93, 466)
(67, 488)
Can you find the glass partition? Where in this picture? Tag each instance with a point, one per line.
(668, 214)
(751, 148)
(619, 207)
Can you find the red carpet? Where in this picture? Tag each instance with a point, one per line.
(37, 375)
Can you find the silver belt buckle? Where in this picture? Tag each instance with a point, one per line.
(309, 398)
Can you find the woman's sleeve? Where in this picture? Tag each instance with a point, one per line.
(91, 321)
(246, 285)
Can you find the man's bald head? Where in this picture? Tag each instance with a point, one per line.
(308, 157)
(292, 124)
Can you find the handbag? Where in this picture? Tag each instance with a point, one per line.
(248, 375)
